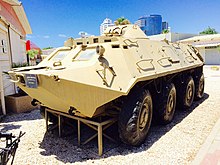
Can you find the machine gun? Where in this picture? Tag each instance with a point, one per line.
(10, 148)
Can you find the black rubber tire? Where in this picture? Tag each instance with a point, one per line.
(186, 94)
(199, 87)
(135, 117)
(165, 108)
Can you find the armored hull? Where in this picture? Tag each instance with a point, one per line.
(91, 76)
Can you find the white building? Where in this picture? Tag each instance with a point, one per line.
(140, 23)
(106, 23)
(47, 52)
(171, 37)
(208, 46)
(14, 26)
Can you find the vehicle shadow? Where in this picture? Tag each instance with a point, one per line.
(66, 149)
(16, 117)
(8, 127)
(7, 120)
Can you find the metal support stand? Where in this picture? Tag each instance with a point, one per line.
(46, 119)
(2, 96)
(59, 125)
(98, 126)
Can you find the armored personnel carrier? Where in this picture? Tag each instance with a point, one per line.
(120, 72)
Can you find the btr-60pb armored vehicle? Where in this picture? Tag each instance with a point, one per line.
(121, 71)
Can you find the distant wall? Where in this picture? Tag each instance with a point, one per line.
(172, 37)
(12, 49)
(161, 37)
(180, 36)
(5, 60)
(212, 56)
(18, 47)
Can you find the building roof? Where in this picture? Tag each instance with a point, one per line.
(19, 10)
(107, 21)
(210, 40)
(171, 36)
(48, 51)
(13, 2)
(208, 45)
(203, 38)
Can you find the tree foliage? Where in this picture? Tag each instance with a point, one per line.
(32, 53)
(48, 48)
(165, 31)
(209, 30)
(122, 21)
(19, 64)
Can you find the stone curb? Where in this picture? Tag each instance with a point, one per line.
(207, 145)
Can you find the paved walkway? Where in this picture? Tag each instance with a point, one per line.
(209, 154)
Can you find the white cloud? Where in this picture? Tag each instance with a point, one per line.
(46, 36)
(81, 32)
(84, 33)
(37, 36)
(30, 36)
(62, 35)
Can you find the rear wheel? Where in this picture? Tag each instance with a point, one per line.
(199, 85)
(165, 110)
(186, 93)
(135, 117)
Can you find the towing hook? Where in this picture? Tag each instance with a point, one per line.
(72, 111)
(35, 102)
(55, 77)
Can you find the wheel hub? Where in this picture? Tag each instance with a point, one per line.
(189, 93)
(143, 116)
(170, 104)
(201, 86)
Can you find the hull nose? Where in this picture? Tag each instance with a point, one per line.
(63, 94)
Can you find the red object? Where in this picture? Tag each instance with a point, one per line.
(30, 45)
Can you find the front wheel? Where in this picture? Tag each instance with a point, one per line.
(135, 117)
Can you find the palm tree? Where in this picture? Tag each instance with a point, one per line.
(122, 21)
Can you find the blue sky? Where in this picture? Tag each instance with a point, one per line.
(53, 21)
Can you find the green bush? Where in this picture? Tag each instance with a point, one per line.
(20, 64)
(32, 53)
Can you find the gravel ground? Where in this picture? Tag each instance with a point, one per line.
(175, 143)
